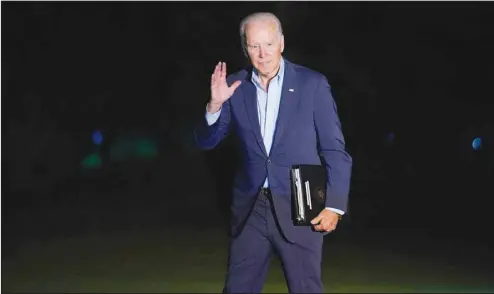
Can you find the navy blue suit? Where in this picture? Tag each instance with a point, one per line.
(307, 128)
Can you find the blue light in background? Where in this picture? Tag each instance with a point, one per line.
(97, 137)
(476, 143)
(390, 138)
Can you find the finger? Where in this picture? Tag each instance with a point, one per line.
(318, 228)
(328, 226)
(223, 70)
(213, 80)
(223, 73)
(217, 71)
(219, 79)
(214, 76)
(332, 226)
(235, 85)
(316, 220)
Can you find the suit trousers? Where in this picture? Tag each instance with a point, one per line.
(251, 251)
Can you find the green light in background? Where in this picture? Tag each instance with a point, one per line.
(146, 149)
(128, 147)
(93, 160)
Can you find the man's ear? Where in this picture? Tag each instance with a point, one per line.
(282, 43)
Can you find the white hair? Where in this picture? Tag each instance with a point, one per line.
(258, 16)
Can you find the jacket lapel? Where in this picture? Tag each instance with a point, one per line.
(288, 103)
(250, 99)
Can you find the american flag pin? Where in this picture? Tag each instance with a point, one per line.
(291, 90)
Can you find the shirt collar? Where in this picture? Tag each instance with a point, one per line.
(279, 76)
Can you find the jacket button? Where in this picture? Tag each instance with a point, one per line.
(269, 161)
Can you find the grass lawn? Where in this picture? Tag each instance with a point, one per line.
(194, 261)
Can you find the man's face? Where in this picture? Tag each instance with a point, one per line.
(264, 46)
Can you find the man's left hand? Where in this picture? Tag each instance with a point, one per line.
(326, 221)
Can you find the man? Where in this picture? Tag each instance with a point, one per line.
(283, 114)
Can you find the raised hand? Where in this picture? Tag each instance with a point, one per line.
(220, 92)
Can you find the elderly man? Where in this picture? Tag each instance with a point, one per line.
(283, 114)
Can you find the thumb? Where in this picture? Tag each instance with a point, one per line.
(235, 85)
(316, 220)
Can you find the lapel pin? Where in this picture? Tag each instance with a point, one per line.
(291, 90)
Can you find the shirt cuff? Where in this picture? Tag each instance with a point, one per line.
(340, 212)
(211, 118)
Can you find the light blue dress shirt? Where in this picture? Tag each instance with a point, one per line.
(268, 106)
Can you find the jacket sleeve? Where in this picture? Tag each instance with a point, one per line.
(209, 136)
(331, 144)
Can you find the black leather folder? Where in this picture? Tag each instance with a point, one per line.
(308, 192)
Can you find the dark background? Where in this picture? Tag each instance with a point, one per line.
(422, 71)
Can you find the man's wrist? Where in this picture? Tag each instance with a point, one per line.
(339, 212)
(213, 107)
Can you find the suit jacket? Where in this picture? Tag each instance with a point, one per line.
(307, 129)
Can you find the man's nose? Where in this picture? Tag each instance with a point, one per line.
(262, 52)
